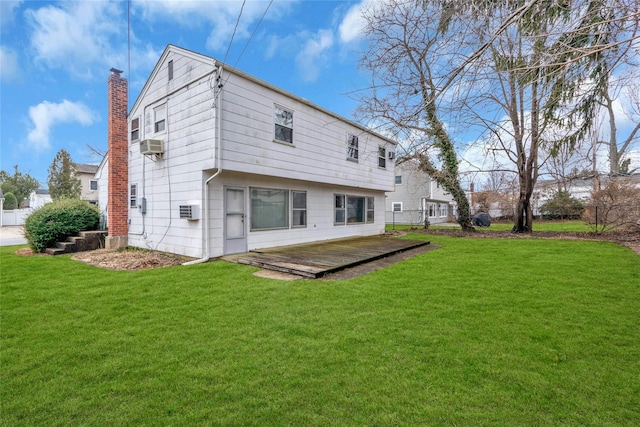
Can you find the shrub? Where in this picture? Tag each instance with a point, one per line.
(10, 202)
(615, 205)
(562, 206)
(56, 221)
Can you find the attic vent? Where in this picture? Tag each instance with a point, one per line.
(191, 212)
(151, 146)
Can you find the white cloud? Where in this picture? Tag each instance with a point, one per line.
(77, 36)
(220, 16)
(352, 25)
(313, 56)
(9, 61)
(47, 114)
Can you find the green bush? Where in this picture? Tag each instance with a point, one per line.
(56, 221)
(10, 202)
(562, 206)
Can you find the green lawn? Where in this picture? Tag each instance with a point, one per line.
(506, 226)
(514, 332)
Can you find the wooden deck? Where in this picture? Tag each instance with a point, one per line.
(317, 259)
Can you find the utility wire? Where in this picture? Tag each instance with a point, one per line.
(253, 33)
(234, 31)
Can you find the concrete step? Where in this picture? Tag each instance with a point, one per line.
(54, 251)
(68, 246)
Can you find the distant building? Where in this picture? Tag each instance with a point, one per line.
(417, 197)
(39, 198)
(86, 174)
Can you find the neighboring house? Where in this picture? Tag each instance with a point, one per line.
(101, 178)
(220, 162)
(39, 198)
(86, 175)
(417, 197)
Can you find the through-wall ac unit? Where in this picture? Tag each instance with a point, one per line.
(151, 146)
(391, 155)
(191, 212)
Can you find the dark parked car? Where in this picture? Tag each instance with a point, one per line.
(481, 219)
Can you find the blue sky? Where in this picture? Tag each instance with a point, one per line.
(55, 59)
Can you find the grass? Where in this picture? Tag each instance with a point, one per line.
(507, 226)
(513, 332)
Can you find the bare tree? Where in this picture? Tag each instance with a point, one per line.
(408, 60)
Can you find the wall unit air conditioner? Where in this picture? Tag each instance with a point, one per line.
(190, 212)
(392, 155)
(151, 146)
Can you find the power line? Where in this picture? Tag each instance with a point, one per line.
(234, 31)
(253, 33)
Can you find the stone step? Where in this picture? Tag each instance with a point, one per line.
(68, 246)
(54, 251)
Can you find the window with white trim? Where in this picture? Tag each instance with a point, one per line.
(269, 209)
(93, 185)
(353, 209)
(396, 206)
(352, 147)
(444, 210)
(135, 129)
(382, 157)
(283, 125)
(133, 196)
(339, 210)
(159, 118)
(398, 179)
(298, 209)
(432, 210)
(371, 201)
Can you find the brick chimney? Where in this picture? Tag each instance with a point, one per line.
(118, 169)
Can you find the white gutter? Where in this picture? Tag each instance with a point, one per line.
(218, 146)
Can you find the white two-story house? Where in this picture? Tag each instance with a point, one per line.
(221, 162)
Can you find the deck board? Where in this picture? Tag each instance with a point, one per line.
(314, 260)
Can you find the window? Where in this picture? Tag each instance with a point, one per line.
(444, 210)
(398, 179)
(170, 69)
(355, 210)
(284, 125)
(135, 129)
(352, 147)
(269, 209)
(382, 157)
(159, 114)
(93, 185)
(133, 196)
(299, 209)
(432, 210)
(370, 209)
(397, 207)
(339, 209)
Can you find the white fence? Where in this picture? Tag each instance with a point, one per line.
(14, 217)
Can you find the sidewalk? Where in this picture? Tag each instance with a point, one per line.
(12, 235)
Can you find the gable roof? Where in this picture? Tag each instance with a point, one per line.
(83, 168)
(227, 68)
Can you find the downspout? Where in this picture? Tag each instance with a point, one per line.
(218, 147)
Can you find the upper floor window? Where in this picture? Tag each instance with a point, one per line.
(352, 147)
(284, 125)
(159, 118)
(135, 129)
(382, 157)
(93, 185)
(398, 179)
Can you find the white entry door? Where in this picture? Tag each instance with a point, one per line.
(235, 235)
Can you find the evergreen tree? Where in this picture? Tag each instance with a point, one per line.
(62, 181)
